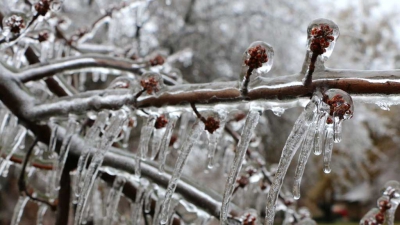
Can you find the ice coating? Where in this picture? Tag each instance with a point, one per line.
(152, 83)
(321, 37)
(247, 132)
(113, 199)
(258, 57)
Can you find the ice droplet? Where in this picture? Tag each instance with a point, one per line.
(321, 37)
(328, 146)
(152, 82)
(247, 132)
(257, 61)
(186, 148)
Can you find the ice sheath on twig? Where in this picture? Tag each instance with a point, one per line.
(247, 132)
(187, 146)
(110, 134)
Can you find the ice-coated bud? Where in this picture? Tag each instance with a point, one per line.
(341, 108)
(257, 60)
(14, 23)
(321, 37)
(152, 82)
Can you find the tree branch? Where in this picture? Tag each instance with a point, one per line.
(366, 86)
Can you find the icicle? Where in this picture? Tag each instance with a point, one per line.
(137, 205)
(19, 210)
(305, 151)
(71, 129)
(289, 150)
(214, 139)
(247, 132)
(183, 124)
(328, 146)
(144, 141)
(147, 198)
(110, 134)
(91, 137)
(98, 206)
(13, 142)
(158, 134)
(192, 138)
(164, 144)
(337, 129)
(113, 199)
(318, 138)
(40, 215)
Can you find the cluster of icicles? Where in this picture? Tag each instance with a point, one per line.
(316, 129)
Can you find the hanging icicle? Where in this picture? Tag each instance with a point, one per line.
(113, 199)
(163, 149)
(19, 210)
(247, 132)
(335, 105)
(110, 134)
(71, 129)
(187, 146)
(144, 140)
(214, 139)
(40, 214)
(91, 137)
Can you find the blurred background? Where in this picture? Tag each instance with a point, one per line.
(207, 39)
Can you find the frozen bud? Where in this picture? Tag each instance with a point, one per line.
(42, 7)
(321, 37)
(157, 60)
(383, 203)
(152, 82)
(257, 59)
(211, 124)
(43, 36)
(15, 23)
(341, 108)
(161, 122)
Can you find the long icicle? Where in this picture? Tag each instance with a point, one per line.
(19, 210)
(40, 214)
(110, 134)
(71, 129)
(144, 140)
(90, 137)
(289, 150)
(113, 199)
(15, 138)
(247, 132)
(164, 144)
(305, 151)
(187, 146)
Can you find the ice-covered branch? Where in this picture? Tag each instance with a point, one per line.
(364, 86)
(108, 64)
